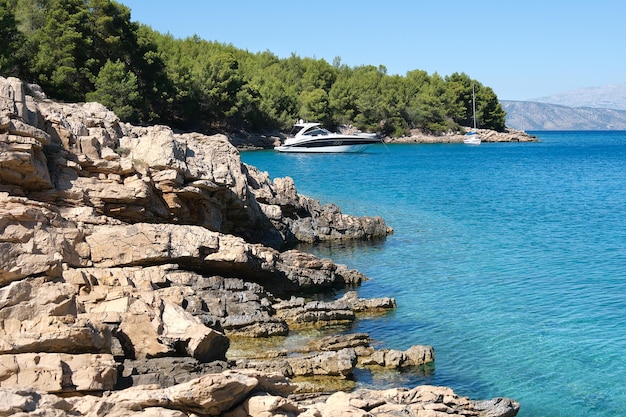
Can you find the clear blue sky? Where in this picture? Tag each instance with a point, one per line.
(522, 49)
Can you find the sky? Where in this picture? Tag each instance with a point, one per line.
(521, 49)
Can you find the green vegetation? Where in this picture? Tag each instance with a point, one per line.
(79, 50)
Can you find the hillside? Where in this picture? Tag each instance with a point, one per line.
(528, 115)
(592, 108)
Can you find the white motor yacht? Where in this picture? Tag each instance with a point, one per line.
(312, 137)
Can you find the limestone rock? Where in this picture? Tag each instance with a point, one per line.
(390, 358)
(198, 341)
(487, 135)
(201, 180)
(140, 338)
(143, 243)
(151, 173)
(319, 272)
(302, 219)
(313, 313)
(65, 334)
(54, 372)
(15, 103)
(146, 245)
(272, 383)
(32, 297)
(277, 365)
(243, 394)
(149, 323)
(422, 400)
(339, 404)
(165, 371)
(338, 364)
(360, 342)
(299, 313)
(142, 278)
(23, 162)
(36, 240)
(134, 173)
(263, 404)
(420, 354)
(366, 305)
(13, 401)
(497, 407)
(153, 327)
(198, 248)
(208, 395)
(254, 325)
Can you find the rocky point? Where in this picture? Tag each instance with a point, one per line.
(133, 258)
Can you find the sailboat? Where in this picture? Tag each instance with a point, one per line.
(472, 138)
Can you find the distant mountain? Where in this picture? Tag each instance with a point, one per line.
(528, 115)
(611, 96)
(593, 108)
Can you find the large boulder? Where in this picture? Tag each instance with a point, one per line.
(57, 372)
(340, 363)
(150, 326)
(66, 334)
(36, 240)
(22, 160)
(209, 395)
(32, 297)
(391, 358)
(263, 404)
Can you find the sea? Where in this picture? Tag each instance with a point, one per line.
(508, 258)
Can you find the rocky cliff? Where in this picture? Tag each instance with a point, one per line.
(131, 257)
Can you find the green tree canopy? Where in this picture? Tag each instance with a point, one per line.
(10, 38)
(117, 89)
(61, 62)
(90, 49)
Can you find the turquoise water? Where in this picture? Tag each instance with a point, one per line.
(509, 259)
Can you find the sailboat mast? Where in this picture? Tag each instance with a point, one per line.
(473, 106)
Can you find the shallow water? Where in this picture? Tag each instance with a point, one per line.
(509, 259)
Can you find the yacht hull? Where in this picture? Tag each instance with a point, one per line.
(329, 147)
(312, 138)
(324, 149)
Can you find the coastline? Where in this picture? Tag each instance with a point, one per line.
(486, 135)
(133, 255)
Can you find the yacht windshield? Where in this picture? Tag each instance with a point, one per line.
(317, 131)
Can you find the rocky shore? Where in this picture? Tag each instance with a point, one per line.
(486, 135)
(142, 273)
